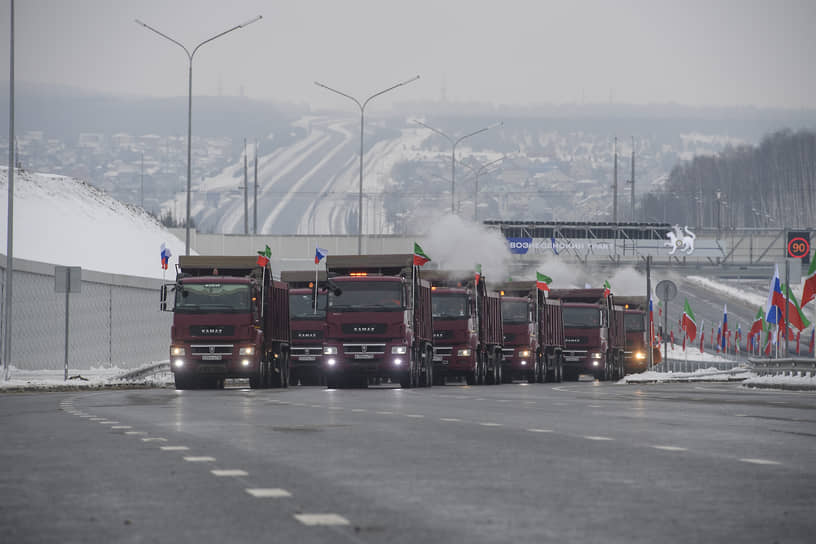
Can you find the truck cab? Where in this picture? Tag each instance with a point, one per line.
(307, 316)
(521, 354)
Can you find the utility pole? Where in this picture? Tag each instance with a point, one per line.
(255, 200)
(633, 180)
(246, 193)
(141, 192)
(615, 185)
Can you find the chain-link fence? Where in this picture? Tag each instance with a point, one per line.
(114, 321)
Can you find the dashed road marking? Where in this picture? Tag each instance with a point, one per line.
(741, 415)
(760, 461)
(229, 472)
(490, 424)
(414, 415)
(670, 448)
(384, 413)
(200, 459)
(595, 406)
(540, 430)
(529, 402)
(598, 438)
(335, 408)
(97, 419)
(321, 519)
(106, 422)
(449, 419)
(268, 493)
(121, 427)
(175, 448)
(503, 400)
(316, 405)
(135, 432)
(359, 410)
(154, 440)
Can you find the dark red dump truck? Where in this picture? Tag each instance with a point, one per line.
(307, 318)
(636, 323)
(533, 333)
(378, 322)
(230, 320)
(467, 326)
(593, 333)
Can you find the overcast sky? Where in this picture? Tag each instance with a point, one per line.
(695, 52)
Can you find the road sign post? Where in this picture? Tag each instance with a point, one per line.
(67, 279)
(666, 290)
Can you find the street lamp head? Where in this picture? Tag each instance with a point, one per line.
(253, 20)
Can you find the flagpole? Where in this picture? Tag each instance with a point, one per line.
(787, 301)
(315, 291)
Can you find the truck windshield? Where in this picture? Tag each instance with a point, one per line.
(449, 305)
(514, 311)
(367, 296)
(212, 297)
(634, 322)
(301, 306)
(582, 318)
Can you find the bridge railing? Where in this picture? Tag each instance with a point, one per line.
(784, 367)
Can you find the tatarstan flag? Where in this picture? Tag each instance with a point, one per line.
(419, 256)
(478, 273)
(795, 315)
(607, 288)
(689, 322)
(543, 282)
(809, 291)
(756, 326)
(264, 256)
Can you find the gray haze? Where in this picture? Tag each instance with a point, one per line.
(514, 52)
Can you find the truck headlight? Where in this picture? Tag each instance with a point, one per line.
(178, 363)
(524, 353)
(330, 350)
(464, 352)
(596, 355)
(640, 355)
(249, 350)
(397, 361)
(177, 350)
(399, 350)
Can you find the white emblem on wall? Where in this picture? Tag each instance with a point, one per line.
(678, 240)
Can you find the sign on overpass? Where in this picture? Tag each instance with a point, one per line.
(599, 247)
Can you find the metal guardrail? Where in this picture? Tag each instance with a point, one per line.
(143, 372)
(681, 365)
(784, 367)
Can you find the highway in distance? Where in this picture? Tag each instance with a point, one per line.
(570, 462)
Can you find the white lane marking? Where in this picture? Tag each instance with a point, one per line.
(175, 448)
(154, 440)
(229, 472)
(321, 519)
(529, 402)
(502, 400)
(359, 410)
(414, 415)
(741, 415)
(121, 427)
(316, 405)
(480, 398)
(449, 419)
(384, 413)
(135, 432)
(97, 419)
(106, 422)
(598, 438)
(490, 424)
(595, 406)
(297, 404)
(200, 459)
(268, 493)
(86, 416)
(760, 461)
(335, 408)
(540, 430)
(670, 448)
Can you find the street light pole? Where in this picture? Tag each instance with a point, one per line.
(454, 143)
(476, 173)
(362, 120)
(190, 104)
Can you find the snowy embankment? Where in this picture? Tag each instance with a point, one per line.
(95, 378)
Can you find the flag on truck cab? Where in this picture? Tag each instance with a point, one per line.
(607, 288)
(809, 290)
(165, 256)
(689, 322)
(320, 254)
(478, 273)
(543, 282)
(264, 256)
(419, 256)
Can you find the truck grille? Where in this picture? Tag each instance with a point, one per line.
(575, 353)
(371, 349)
(211, 349)
(508, 352)
(442, 351)
(313, 351)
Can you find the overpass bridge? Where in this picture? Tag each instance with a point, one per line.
(743, 252)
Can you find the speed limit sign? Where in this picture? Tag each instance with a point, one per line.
(798, 244)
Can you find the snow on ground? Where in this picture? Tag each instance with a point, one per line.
(68, 222)
(93, 378)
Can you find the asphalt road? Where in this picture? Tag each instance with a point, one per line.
(573, 462)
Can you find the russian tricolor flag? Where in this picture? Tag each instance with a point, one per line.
(724, 328)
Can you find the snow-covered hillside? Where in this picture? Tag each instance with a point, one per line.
(67, 222)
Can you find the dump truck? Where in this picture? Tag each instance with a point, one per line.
(467, 326)
(533, 333)
(307, 318)
(594, 334)
(230, 320)
(636, 324)
(378, 322)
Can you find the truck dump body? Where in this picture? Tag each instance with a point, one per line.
(378, 321)
(308, 324)
(535, 352)
(594, 333)
(230, 320)
(468, 333)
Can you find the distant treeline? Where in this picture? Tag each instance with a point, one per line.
(769, 185)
